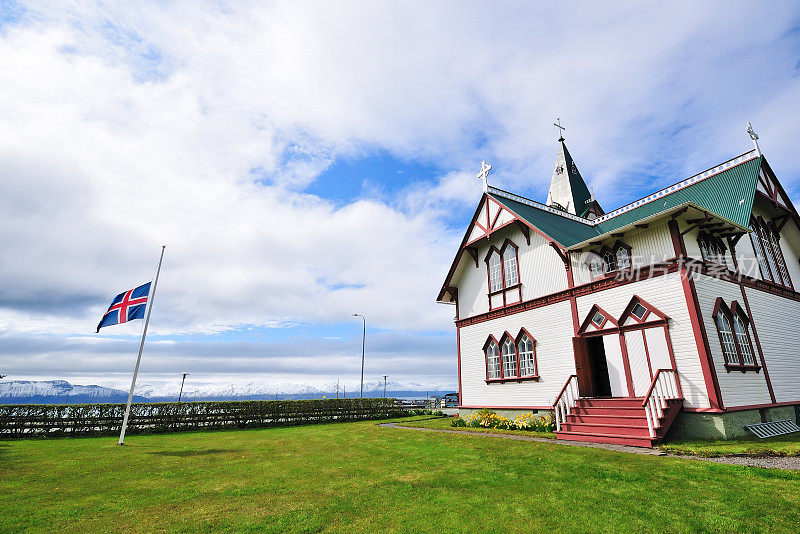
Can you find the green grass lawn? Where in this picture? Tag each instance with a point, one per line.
(444, 423)
(361, 477)
(788, 445)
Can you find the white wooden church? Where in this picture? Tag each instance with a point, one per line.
(676, 310)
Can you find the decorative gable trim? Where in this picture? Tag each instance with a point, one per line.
(593, 323)
(632, 311)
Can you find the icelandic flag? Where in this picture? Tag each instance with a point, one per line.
(126, 307)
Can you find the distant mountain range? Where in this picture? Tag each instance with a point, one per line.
(62, 392)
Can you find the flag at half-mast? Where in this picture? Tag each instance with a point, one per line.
(126, 306)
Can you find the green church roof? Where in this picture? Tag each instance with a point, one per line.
(727, 191)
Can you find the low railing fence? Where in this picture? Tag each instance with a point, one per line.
(664, 387)
(28, 420)
(566, 400)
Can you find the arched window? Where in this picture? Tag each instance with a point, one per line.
(734, 336)
(495, 272)
(596, 265)
(769, 253)
(755, 239)
(492, 359)
(610, 261)
(726, 338)
(509, 358)
(776, 251)
(623, 258)
(527, 357)
(510, 265)
(743, 339)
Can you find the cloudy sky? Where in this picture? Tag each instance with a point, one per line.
(304, 161)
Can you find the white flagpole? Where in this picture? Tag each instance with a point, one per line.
(150, 299)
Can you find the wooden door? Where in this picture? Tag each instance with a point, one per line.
(583, 366)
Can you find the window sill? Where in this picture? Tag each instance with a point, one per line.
(501, 291)
(512, 379)
(743, 368)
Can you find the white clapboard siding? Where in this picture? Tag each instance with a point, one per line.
(746, 258)
(737, 388)
(551, 326)
(650, 245)
(657, 349)
(473, 286)
(776, 319)
(665, 293)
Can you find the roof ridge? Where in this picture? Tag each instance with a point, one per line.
(695, 178)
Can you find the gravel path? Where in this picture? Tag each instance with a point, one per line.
(790, 463)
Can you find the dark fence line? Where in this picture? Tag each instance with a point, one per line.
(29, 420)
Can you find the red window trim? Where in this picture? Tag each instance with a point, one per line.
(515, 342)
(760, 228)
(588, 320)
(711, 240)
(512, 379)
(613, 249)
(535, 360)
(486, 355)
(735, 308)
(778, 252)
(503, 376)
(504, 289)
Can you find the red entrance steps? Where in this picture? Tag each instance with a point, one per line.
(619, 421)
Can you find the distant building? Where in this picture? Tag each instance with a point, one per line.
(680, 306)
(450, 400)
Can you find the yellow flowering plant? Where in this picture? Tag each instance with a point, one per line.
(486, 418)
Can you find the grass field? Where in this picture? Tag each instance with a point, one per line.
(361, 477)
(787, 445)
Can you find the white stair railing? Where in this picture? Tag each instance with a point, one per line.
(566, 400)
(663, 388)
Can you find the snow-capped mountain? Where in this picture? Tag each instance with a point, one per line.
(58, 392)
(62, 392)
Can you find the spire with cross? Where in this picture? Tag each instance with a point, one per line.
(561, 129)
(484, 174)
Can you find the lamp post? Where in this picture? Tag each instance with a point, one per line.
(384, 385)
(363, 342)
(182, 381)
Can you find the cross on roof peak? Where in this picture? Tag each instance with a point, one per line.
(484, 174)
(754, 137)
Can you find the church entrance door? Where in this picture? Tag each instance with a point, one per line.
(598, 364)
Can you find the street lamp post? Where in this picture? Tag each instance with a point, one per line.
(363, 342)
(182, 381)
(384, 385)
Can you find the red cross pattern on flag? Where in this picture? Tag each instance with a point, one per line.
(126, 307)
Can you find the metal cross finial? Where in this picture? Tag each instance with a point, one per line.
(484, 174)
(557, 124)
(753, 136)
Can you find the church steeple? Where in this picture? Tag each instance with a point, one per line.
(568, 191)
